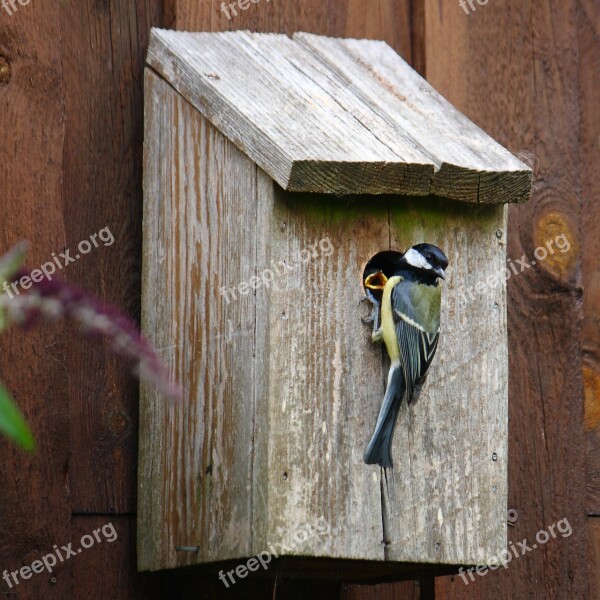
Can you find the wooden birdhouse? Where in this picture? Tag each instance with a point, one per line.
(274, 169)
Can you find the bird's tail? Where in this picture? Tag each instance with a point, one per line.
(379, 449)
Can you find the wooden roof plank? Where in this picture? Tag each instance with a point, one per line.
(336, 148)
(336, 116)
(330, 90)
(461, 150)
(272, 125)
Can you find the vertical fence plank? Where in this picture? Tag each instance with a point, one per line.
(589, 68)
(34, 504)
(512, 68)
(70, 91)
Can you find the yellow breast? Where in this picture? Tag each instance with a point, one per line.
(387, 320)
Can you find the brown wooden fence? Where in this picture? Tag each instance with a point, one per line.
(70, 164)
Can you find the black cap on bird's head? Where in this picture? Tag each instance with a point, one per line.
(426, 259)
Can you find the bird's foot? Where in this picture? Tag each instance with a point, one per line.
(373, 316)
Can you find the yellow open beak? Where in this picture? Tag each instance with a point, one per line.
(376, 281)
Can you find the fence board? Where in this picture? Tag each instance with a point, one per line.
(511, 68)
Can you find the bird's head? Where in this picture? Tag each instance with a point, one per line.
(378, 270)
(427, 259)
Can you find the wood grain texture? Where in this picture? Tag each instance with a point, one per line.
(109, 560)
(35, 503)
(252, 521)
(483, 64)
(284, 385)
(452, 443)
(199, 190)
(468, 164)
(406, 590)
(512, 68)
(589, 70)
(336, 116)
(71, 165)
(101, 174)
(594, 556)
(388, 20)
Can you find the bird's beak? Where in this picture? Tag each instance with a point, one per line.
(376, 281)
(440, 273)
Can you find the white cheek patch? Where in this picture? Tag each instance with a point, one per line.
(413, 258)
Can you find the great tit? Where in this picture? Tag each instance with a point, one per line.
(410, 325)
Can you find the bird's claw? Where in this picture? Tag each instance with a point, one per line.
(370, 318)
(373, 317)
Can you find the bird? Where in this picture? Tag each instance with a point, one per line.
(406, 291)
(377, 271)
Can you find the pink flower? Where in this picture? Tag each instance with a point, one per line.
(56, 299)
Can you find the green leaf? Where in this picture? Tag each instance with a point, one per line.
(10, 263)
(12, 423)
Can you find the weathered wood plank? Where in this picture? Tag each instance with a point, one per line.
(468, 163)
(106, 569)
(317, 86)
(101, 187)
(323, 373)
(274, 469)
(388, 20)
(512, 69)
(403, 590)
(278, 130)
(451, 472)
(594, 556)
(196, 457)
(296, 117)
(71, 125)
(465, 522)
(589, 69)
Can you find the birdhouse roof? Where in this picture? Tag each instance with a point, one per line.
(339, 116)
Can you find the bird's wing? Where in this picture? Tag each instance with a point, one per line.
(417, 323)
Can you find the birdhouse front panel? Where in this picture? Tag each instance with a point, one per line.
(255, 248)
